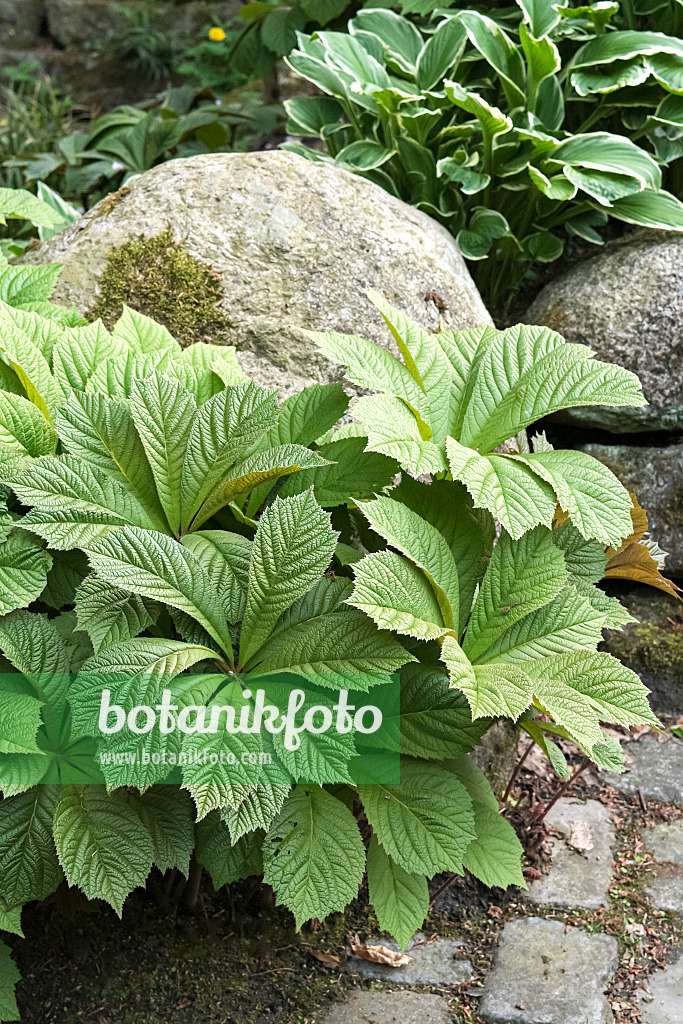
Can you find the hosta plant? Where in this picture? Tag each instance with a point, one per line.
(469, 124)
(169, 526)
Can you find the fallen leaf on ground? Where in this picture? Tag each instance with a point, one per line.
(381, 955)
(325, 958)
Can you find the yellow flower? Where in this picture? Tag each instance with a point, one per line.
(216, 35)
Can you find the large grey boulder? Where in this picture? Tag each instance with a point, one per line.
(20, 22)
(294, 245)
(656, 475)
(626, 303)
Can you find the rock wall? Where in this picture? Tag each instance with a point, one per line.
(62, 37)
(626, 303)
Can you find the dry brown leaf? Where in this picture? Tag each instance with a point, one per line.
(632, 560)
(325, 958)
(381, 955)
(581, 837)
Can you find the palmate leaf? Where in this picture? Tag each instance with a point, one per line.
(491, 690)
(155, 566)
(29, 869)
(436, 719)
(338, 648)
(495, 856)
(66, 483)
(78, 351)
(23, 428)
(397, 596)
(19, 722)
(254, 471)
(23, 571)
(163, 412)
(567, 623)
(256, 811)
(224, 430)
(100, 431)
(9, 976)
(142, 334)
(34, 647)
(136, 671)
(166, 811)
(400, 899)
(225, 556)
(448, 507)
(293, 546)
(103, 845)
(313, 854)
(432, 807)
(108, 614)
(226, 862)
(522, 576)
(419, 541)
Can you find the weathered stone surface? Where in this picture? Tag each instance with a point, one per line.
(543, 974)
(20, 22)
(652, 646)
(390, 1008)
(656, 475)
(656, 770)
(666, 888)
(432, 963)
(626, 303)
(662, 1003)
(85, 23)
(578, 879)
(496, 754)
(295, 244)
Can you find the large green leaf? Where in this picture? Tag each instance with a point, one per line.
(103, 845)
(22, 204)
(436, 719)
(33, 370)
(225, 556)
(35, 648)
(23, 428)
(108, 614)
(224, 862)
(29, 869)
(23, 571)
(352, 473)
(78, 352)
(293, 546)
(9, 976)
(142, 334)
(256, 811)
(166, 811)
(492, 690)
(432, 807)
(419, 541)
(522, 576)
(313, 854)
(397, 596)
(400, 899)
(156, 566)
(163, 412)
(19, 722)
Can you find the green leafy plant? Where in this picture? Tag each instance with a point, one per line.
(144, 43)
(129, 141)
(163, 514)
(470, 124)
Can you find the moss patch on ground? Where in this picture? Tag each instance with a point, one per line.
(158, 277)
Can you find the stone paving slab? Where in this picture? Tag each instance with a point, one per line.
(666, 888)
(390, 1008)
(657, 770)
(578, 877)
(663, 1002)
(545, 974)
(432, 963)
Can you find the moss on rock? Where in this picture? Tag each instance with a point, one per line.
(158, 277)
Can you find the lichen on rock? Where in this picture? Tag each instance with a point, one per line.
(158, 277)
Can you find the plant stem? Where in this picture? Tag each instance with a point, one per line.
(516, 770)
(442, 888)
(193, 884)
(563, 789)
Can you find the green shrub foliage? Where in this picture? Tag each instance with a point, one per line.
(169, 522)
(502, 130)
